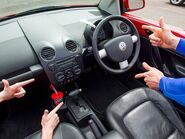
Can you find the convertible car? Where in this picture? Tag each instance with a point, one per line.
(90, 51)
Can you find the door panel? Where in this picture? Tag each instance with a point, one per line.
(168, 61)
(174, 62)
(138, 22)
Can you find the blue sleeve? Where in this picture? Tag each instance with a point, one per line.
(173, 89)
(181, 47)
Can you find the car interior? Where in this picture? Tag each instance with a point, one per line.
(91, 54)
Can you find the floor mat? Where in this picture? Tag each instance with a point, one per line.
(100, 89)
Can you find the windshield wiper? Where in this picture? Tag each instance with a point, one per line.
(32, 11)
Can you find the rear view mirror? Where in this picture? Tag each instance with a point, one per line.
(132, 5)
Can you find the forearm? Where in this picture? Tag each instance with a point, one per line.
(47, 134)
(174, 42)
(173, 89)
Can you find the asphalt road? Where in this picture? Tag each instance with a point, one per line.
(154, 9)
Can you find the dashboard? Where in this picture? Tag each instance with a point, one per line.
(51, 42)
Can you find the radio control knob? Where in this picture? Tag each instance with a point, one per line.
(60, 76)
(77, 70)
(51, 67)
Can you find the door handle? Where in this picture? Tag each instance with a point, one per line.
(148, 32)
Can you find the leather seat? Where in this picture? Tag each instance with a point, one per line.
(63, 131)
(145, 114)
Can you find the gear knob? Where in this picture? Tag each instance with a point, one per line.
(75, 92)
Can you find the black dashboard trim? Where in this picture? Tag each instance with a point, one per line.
(33, 71)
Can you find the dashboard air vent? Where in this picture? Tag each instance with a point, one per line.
(71, 45)
(123, 27)
(47, 53)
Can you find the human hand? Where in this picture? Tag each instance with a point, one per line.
(162, 36)
(14, 91)
(49, 122)
(152, 76)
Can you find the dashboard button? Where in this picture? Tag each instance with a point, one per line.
(51, 67)
(77, 70)
(60, 76)
(77, 58)
(68, 74)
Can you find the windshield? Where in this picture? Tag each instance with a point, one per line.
(9, 7)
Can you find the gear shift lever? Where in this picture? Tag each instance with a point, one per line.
(74, 95)
(77, 105)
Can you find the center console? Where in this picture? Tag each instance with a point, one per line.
(62, 62)
(65, 70)
(81, 115)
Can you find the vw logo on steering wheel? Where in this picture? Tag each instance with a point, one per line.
(122, 46)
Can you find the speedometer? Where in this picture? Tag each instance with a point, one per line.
(106, 32)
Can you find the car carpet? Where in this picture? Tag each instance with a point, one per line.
(100, 89)
(25, 114)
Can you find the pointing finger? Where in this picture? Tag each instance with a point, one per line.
(55, 109)
(23, 83)
(141, 75)
(151, 28)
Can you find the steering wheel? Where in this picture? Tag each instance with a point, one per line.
(118, 49)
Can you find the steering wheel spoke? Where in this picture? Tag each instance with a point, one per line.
(102, 53)
(134, 38)
(123, 64)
